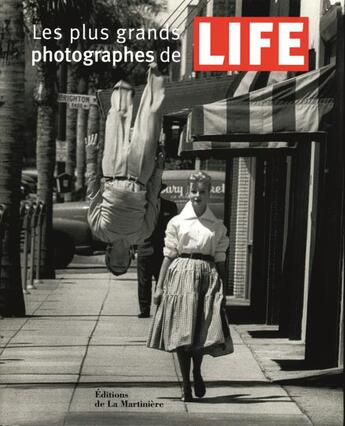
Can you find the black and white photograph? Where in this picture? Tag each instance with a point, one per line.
(171, 212)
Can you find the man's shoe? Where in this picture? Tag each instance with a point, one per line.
(144, 315)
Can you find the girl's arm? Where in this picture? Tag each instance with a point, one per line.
(220, 266)
(159, 288)
(153, 189)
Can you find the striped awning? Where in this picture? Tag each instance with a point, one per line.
(299, 104)
(180, 96)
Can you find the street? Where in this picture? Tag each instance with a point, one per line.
(79, 358)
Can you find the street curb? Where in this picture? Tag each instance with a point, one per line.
(330, 375)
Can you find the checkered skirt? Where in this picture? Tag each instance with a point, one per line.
(190, 314)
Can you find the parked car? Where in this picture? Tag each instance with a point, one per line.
(71, 231)
(28, 183)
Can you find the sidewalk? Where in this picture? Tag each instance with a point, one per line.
(79, 358)
(319, 393)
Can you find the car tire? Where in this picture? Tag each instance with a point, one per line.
(63, 249)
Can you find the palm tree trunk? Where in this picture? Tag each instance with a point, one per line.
(101, 137)
(71, 123)
(61, 120)
(46, 98)
(82, 118)
(93, 119)
(11, 150)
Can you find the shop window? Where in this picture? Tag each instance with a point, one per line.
(271, 7)
(295, 8)
(330, 52)
(256, 7)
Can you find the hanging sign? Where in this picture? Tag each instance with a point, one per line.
(77, 101)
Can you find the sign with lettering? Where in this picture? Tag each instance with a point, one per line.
(251, 43)
(180, 192)
(77, 101)
(177, 190)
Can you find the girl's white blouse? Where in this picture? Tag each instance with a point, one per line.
(188, 233)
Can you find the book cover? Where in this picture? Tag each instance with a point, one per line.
(171, 212)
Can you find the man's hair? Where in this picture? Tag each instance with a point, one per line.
(200, 177)
(112, 262)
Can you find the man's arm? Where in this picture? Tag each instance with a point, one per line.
(94, 193)
(220, 266)
(153, 188)
(92, 175)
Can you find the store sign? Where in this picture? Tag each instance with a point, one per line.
(177, 191)
(77, 101)
(251, 44)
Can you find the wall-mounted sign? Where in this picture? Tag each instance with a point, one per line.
(77, 101)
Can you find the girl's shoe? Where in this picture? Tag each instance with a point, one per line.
(187, 394)
(199, 385)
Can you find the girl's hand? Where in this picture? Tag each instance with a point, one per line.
(157, 297)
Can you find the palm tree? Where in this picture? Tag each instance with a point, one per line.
(93, 118)
(71, 128)
(82, 118)
(45, 97)
(50, 14)
(11, 149)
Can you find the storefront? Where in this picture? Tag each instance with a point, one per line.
(277, 127)
(284, 137)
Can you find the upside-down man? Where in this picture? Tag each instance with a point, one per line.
(125, 204)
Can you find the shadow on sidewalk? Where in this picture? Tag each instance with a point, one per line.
(238, 398)
(332, 380)
(146, 384)
(293, 364)
(266, 334)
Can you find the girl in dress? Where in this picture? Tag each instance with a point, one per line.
(190, 317)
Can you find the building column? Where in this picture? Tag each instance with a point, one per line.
(268, 239)
(295, 262)
(238, 223)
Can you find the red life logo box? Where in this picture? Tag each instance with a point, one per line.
(251, 44)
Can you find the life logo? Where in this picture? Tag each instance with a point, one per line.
(251, 44)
